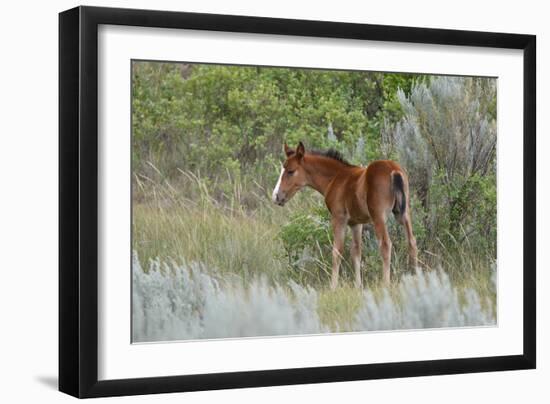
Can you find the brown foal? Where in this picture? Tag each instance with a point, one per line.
(354, 196)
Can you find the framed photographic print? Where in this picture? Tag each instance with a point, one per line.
(251, 201)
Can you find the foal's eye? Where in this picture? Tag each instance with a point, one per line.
(290, 172)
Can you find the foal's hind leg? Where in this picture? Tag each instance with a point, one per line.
(405, 220)
(384, 244)
(357, 232)
(413, 252)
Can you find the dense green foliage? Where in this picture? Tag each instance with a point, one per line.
(211, 138)
(212, 118)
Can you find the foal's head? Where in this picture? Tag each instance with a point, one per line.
(293, 176)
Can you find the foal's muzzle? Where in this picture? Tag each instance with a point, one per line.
(279, 200)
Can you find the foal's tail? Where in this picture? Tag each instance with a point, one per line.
(398, 186)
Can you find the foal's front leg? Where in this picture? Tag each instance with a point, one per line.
(357, 232)
(339, 229)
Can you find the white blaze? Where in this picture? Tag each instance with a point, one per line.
(276, 190)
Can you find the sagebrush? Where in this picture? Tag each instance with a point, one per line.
(188, 301)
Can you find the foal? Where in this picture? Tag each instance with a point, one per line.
(354, 196)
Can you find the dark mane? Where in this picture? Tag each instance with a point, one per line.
(331, 154)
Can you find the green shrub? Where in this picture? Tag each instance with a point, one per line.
(214, 119)
(307, 236)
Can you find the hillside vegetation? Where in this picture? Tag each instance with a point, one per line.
(206, 153)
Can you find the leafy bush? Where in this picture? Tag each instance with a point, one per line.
(307, 235)
(212, 119)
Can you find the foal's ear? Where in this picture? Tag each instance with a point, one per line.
(288, 150)
(300, 150)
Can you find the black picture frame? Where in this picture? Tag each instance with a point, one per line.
(78, 201)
